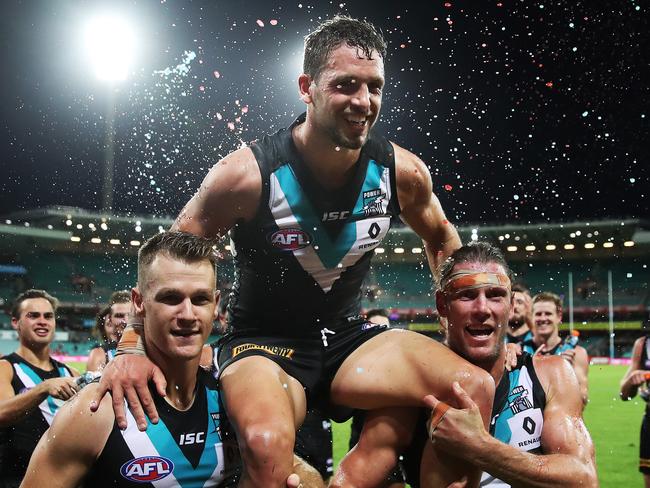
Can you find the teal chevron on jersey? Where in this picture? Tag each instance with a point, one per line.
(501, 428)
(186, 475)
(330, 251)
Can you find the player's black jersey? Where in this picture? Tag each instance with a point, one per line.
(195, 447)
(300, 262)
(21, 438)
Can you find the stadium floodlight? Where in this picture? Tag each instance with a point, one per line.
(75, 238)
(416, 250)
(608, 244)
(379, 250)
(550, 247)
(628, 243)
(135, 243)
(590, 245)
(111, 46)
(530, 248)
(114, 242)
(398, 250)
(568, 247)
(96, 240)
(512, 248)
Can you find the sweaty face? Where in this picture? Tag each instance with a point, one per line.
(178, 304)
(520, 309)
(347, 95)
(117, 320)
(546, 318)
(36, 323)
(477, 318)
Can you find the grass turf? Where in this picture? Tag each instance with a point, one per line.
(614, 426)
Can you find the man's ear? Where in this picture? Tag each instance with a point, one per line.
(304, 86)
(138, 303)
(217, 299)
(441, 303)
(14, 323)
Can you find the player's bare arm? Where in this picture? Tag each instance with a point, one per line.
(635, 375)
(421, 209)
(96, 360)
(229, 193)
(568, 452)
(66, 452)
(15, 407)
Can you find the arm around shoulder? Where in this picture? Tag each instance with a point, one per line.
(66, 452)
(229, 193)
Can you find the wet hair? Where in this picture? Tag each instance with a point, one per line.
(178, 245)
(336, 31)
(26, 295)
(121, 296)
(547, 296)
(377, 312)
(474, 252)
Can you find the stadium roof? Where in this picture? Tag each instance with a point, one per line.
(75, 229)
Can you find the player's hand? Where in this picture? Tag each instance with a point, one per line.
(128, 376)
(512, 353)
(293, 481)
(569, 355)
(61, 388)
(637, 377)
(460, 430)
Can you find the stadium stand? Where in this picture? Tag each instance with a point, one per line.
(82, 256)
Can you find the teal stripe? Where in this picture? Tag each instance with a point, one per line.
(184, 472)
(37, 380)
(331, 252)
(502, 429)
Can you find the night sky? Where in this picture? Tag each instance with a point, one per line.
(525, 111)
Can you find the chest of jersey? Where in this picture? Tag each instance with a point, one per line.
(327, 241)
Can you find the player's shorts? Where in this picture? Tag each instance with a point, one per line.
(644, 446)
(312, 361)
(314, 442)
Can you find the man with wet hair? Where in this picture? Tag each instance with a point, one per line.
(520, 321)
(33, 385)
(306, 208)
(537, 436)
(109, 328)
(193, 444)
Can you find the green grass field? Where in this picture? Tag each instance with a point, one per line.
(614, 426)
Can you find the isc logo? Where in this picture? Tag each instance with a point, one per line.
(146, 469)
(192, 438)
(289, 239)
(329, 216)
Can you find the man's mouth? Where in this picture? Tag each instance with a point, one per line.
(357, 122)
(41, 332)
(185, 332)
(479, 330)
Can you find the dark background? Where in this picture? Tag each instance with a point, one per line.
(525, 111)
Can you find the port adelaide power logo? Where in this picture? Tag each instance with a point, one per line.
(374, 203)
(290, 239)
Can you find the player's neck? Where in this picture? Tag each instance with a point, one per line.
(181, 382)
(496, 367)
(38, 356)
(550, 341)
(518, 332)
(331, 165)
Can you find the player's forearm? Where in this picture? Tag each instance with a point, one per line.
(16, 408)
(524, 469)
(442, 247)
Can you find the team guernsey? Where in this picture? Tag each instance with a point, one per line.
(522, 339)
(300, 262)
(518, 412)
(21, 438)
(189, 449)
(517, 420)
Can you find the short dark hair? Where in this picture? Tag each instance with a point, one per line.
(26, 295)
(336, 31)
(521, 288)
(121, 296)
(374, 312)
(547, 296)
(100, 322)
(180, 245)
(474, 252)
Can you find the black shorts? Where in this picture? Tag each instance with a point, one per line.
(312, 361)
(314, 443)
(644, 446)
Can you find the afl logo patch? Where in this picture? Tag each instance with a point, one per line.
(147, 469)
(289, 239)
